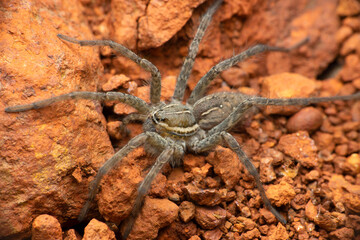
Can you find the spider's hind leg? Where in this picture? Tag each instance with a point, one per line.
(108, 165)
(219, 137)
(204, 82)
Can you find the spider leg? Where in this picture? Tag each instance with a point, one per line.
(128, 99)
(204, 82)
(109, 164)
(164, 158)
(132, 117)
(234, 145)
(261, 101)
(155, 88)
(216, 138)
(236, 115)
(193, 49)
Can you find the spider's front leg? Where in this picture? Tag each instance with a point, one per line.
(108, 165)
(133, 101)
(155, 88)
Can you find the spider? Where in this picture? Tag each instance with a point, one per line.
(173, 128)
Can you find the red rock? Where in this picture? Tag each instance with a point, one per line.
(114, 82)
(201, 172)
(215, 234)
(307, 119)
(353, 22)
(342, 149)
(123, 21)
(353, 161)
(313, 175)
(355, 111)
(210, 218)
(192, 161)
(155, 214)
(280, 233)
(326, 221)
(255, 233)
(195, 237)
(186, 211)
(267, 173)
(167, 87)
(178, 230)
(324, 141)
(98, 230)
(121, 108)
(226, 165)
(246, 222)
(46, 227)
(159, 24)
(267, 215)
(280, 194)
(351, 44)
(301, 147)
(114, 129)
(311, 211)
(343, 191)
(158, 187)
(343, 234)
(206, 197)
(351, 69)
(353, 221)
(71, 234)
(119, 188)
(299, 23)
(235, 77)
(348, 8)
(277, 86)
(343, 33)
(44, 147)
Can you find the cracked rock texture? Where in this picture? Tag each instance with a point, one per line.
(308, 159)
(50, 153)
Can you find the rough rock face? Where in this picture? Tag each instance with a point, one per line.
(156, 214)
(47, 154)
(46, 227)
(309, 164)
(98, 230)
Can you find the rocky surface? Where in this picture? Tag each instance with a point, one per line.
(46, 227)
(50, 153)
(308, 159)
(98, 230)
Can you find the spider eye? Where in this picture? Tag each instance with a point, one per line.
(157, 119)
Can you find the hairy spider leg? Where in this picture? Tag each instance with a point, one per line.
(163, 158)
(204, 82)
(155, 87)
(128, 99)
(234, 117)
(136, 142)
(193, 49)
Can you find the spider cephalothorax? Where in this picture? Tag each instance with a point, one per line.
(171, 129)
(175, 120)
